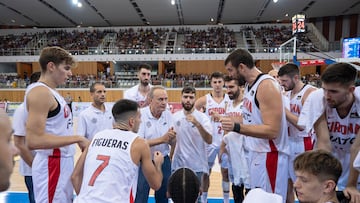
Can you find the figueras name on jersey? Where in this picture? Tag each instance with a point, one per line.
(114, 143)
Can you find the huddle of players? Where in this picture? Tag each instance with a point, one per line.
(249, 128)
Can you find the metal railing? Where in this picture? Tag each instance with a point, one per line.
(167, 83)
(118, 51)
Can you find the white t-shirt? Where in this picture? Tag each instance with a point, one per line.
(134, 94)
(190, 150)
(151, 128)
(19, 124)
(92, 120)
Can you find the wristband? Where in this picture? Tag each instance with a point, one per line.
(237, 127)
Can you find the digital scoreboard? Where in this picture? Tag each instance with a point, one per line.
(351, 47)
(298, 23)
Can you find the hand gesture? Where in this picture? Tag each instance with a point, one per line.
(83, 143)
(227, 124)
(192, 119)
(170, 135)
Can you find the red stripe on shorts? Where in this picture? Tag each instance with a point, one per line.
(131, 196)
(271, 164)
(308, 145)
(54, 173)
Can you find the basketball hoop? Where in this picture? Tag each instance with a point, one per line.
(277, 65)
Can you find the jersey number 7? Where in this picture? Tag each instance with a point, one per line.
(101, 167)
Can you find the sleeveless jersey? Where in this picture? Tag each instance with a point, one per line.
(220, 108)
(110, 175)
(342, 135)
(252, 116)
(60, 125)
(295, 108)
(233, 111)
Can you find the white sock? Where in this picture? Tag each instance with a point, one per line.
(204, 197)
(226, 189)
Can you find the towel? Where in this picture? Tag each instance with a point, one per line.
(235, 147)
(314, 107)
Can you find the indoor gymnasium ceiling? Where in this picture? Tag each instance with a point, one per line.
(105, 13)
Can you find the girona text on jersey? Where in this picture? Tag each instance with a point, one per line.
(247, 104)
(114, 143)
(343, 129)
(219, 110)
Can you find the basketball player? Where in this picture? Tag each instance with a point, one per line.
(193, 135)
(97, 116)
(108, 170)
(264, 124)
(317, 173)
(7, 151)
(140, 91)
(49, 129)
(233, 143)
(216, 101)
(299, 139)
(157, 129)
(337, 128)
(26, 156)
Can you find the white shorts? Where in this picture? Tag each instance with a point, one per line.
(51, 178)
(212, 152)
(267, 172)
(298, 146)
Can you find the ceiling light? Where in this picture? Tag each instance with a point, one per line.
(172, 2)
(212, 19)
(75, 2)
(275, 1)
(287, 15)
(79, 5)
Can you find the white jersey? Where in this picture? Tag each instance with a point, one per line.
(299, 141)
(93, 120)
(220, 108)
(19, 124)
(190, 150)
(235, 147)
(60, 124)
(134, 94)
(295, 108)
(51, 168)
(151, 128)
(342, 135)
(233, 111)
(252, 116)
(110, 175)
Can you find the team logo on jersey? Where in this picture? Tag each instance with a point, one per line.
(298, 97)
(94, 120)
(354, 115)
(148, 124)
(66, 111)
(252, 93)
(178, 123)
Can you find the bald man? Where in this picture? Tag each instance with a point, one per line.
(7, 151)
